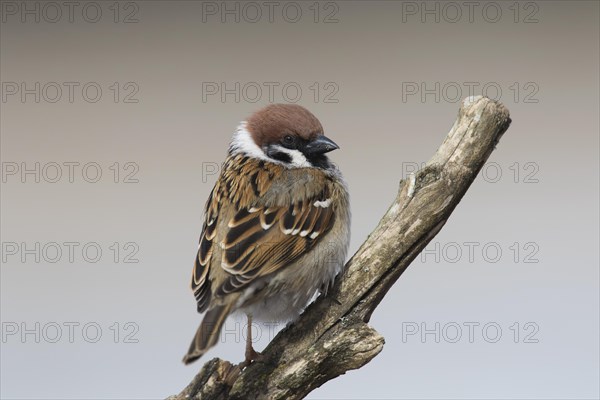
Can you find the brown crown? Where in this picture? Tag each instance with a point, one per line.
(272, 123)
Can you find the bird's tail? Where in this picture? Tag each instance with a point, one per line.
(208, 332)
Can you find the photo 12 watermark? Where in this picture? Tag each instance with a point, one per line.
(235, 331)
(69, 92)
(70, 252)
(525, 172)
(252, 12)
(69, 332)
(481, 252)
(452, 12)
(453, 92)
(71, 12)
(210, 170)
(270, 92)
(469, 332)
(69, 172)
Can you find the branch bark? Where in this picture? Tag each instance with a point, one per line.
(332, 336)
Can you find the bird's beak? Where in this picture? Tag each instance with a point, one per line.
(320, 145)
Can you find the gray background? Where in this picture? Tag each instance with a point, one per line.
(547, 203)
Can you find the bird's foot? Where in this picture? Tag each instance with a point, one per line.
(250, 357)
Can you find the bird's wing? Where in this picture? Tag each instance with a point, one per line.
(262, 240)
(254, 241)
(200, 282)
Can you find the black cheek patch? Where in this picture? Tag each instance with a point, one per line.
(279, 156)
(318, 161)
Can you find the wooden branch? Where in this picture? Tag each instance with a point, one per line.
(332, 336)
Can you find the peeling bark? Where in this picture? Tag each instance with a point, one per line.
(332, 336)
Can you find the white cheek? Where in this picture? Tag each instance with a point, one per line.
(242, 142)
(298, 159)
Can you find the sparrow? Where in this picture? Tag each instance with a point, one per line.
(276, 225)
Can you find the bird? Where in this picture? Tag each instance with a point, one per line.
(276, 226)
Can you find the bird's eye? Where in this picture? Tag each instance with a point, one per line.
(288, 140)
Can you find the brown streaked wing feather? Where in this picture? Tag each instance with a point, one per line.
(242, 241)
(255, 248)
(200, 282)
(241, 180)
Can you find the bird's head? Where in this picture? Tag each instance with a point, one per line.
(286, 134)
